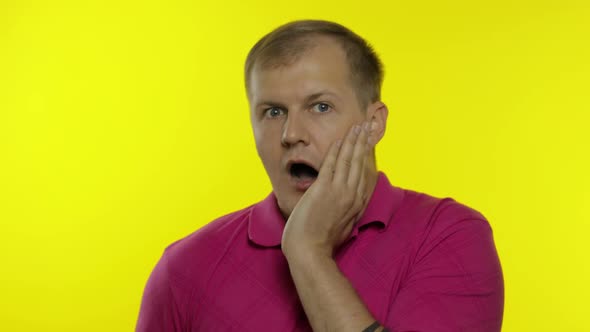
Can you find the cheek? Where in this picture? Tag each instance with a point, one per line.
(266, 132)
(322, 141)
(329, 133)
(268, 147)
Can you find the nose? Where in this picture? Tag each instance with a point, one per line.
(294, 131)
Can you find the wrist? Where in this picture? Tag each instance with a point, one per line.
(307, 254)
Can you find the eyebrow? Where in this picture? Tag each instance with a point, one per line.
(315, 96)
(308, 99)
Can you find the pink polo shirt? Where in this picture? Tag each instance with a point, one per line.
(419, 263)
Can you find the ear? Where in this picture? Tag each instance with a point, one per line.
(377, 113)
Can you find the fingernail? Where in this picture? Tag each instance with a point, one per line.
(357, 129)
(366, 126)
(338, 143)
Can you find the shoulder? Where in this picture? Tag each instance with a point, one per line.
(181, 274)
(453, 269)
(424, 221)
(430, 212)
(449, 226)
(195, 255)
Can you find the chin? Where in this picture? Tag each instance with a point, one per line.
(287, 195)
(287, 202)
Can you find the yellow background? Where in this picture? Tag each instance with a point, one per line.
(124, 126)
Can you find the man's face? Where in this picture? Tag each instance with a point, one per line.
(297, 112)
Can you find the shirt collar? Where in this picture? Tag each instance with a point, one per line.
(266, 223)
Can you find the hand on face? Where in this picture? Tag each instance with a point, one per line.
(325, 215)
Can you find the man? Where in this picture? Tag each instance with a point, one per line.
(334, 247)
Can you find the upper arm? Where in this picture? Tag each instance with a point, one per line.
(161, 309)
(455, 282)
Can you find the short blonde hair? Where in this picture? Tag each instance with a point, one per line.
(288, 42)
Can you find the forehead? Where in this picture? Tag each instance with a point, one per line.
(321, 67)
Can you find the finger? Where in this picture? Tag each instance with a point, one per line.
(361, 190)
(372, 134)
(371, 141)
(326, 172)
(358, 157)
(344, 160)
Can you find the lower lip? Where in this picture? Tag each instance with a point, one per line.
(301, 185)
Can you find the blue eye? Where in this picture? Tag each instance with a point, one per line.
(321, 107)
(273, 112)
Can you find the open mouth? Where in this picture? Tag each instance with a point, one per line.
(303, 172)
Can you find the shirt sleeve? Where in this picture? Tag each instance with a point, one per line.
(454, 282)
(160, 310)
